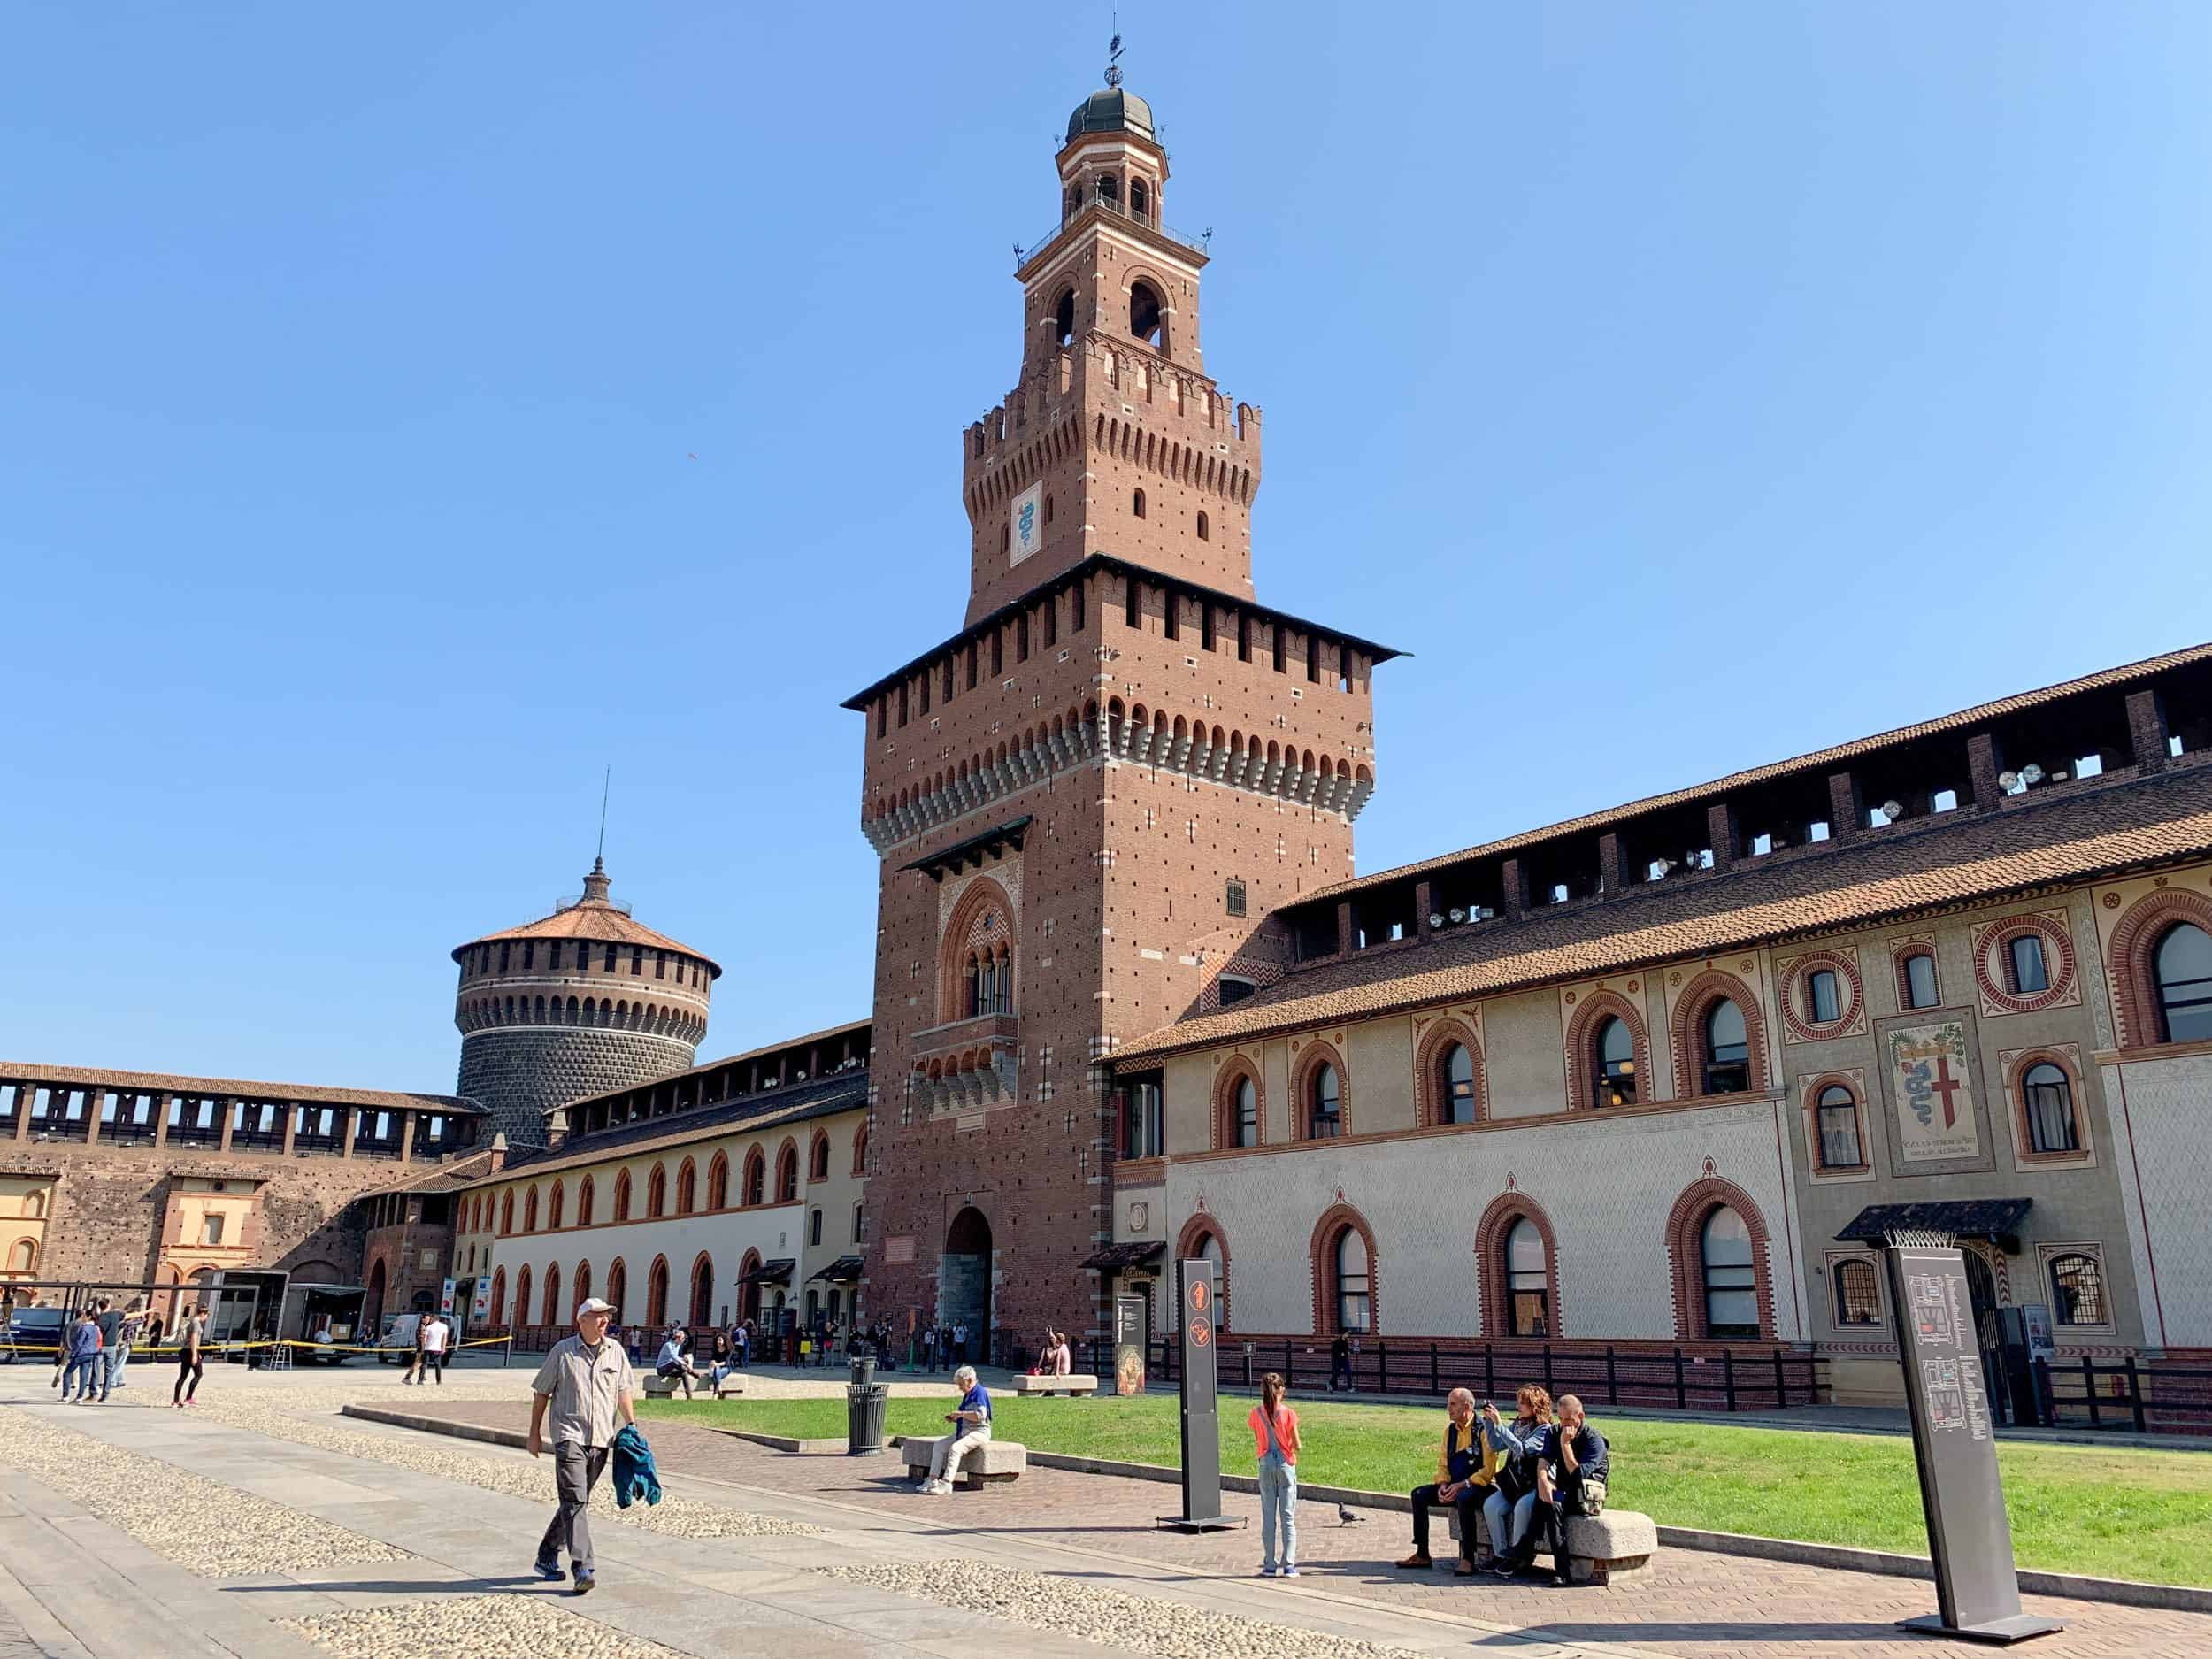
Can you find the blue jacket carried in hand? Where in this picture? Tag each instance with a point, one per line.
(634, 1476)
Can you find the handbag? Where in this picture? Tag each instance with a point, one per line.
(1589, 1497)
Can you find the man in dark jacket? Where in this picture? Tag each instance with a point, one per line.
(1341, 1361)
(1566, 1454)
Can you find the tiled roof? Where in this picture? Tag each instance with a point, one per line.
(443, 1178)
(839, 1091)
(590, 919)
(1980, 715)
(846, 1030)
(1934, 862)
(232, 1088)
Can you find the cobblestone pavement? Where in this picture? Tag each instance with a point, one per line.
(1694, 1603)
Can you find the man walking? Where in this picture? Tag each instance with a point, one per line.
(584, 1387)
(433, 1334)
(960, 1343)
(111, 1351)
(929, 1349)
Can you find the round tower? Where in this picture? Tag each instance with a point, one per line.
(578, 1002)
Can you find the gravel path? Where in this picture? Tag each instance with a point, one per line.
(678, 1516)
(208, 1529)
(1067, 1607)
(482, 1626)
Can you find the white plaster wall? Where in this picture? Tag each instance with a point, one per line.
(780, 1231)
(1606, 1184)
(2162, 1113)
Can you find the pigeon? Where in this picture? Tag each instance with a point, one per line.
(1345, 1517)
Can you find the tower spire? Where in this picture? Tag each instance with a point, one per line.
(1113, 52)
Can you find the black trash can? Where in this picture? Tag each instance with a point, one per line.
(866, 1401)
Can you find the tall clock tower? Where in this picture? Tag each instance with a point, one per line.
(1087, 799)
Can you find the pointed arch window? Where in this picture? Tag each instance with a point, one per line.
(756, 1178)
(1528, 1280)
(2181, 973)
(587, 1200)
(656, 1193)
(818, 1159)
(1324, 1105)
(1613, 1074)
(1354, 1290)
(686, 1188)
(1136, 504)
(1244, 1113)
(718, 1183)
(1727, 1049)
(1730, 1280)
(1455, 1085)
(787, 1176)
(622, 1196)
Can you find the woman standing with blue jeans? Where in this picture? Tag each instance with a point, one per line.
(1275, 1441)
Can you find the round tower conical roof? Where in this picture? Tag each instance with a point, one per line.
(593, 917)
(1112, 110)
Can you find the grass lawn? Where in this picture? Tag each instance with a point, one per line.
(2115, 1512)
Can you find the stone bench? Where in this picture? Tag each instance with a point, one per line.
(660, 1387)
(993, 1460)
(1598, 1545)
(1069, 1386)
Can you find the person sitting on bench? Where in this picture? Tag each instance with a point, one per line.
(1568, 1456)
(971, 1427)
(1465, 1466)
(672, 1364)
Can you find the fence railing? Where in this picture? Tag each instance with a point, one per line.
(2125, 1397)
(1728, 1380)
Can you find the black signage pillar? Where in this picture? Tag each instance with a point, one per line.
(1130, 1337)
(1953, 1442)
(1198, 1309)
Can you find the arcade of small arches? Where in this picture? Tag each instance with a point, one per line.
(489, 1013)
(490, 959)
(500, 1213)
(1138, 734)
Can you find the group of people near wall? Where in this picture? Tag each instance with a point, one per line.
(92, 1351)
(1515, 1482)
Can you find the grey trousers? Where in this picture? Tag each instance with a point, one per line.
(576, 1470)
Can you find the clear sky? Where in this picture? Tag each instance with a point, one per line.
(1686, 387)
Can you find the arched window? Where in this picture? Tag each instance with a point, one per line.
(817, 1159)
(586, 1201)
(530, 1211)
(718, 1183)
(1455, 1085)
(860, 1150)
(2026, 973)
(1205, 527)
(814, 1228)
(1528, 1280)
(657, 1192)
(1324, 1106)
(858, 1218)
(553, 1295)
(702, 1292)
(582, 1289)
(1727, 1049)
(2046, 1099)
(788, 1175)
(1148, 319)
(507, 1212)
(1140, 198)
(1920, 980)
(1136, 504)
(1858, 1294)
(1613, 1069)
(657, 1293)
(2181, 976)
(499, 1297)
(2077, 1291)
(622, 1196)
(1835, 1117)
(756, 1178)
(24, 1258)
(1244, 1114)
(556, 1208)
(687, 1188)
(1731, 1280)
(522, 1296)
(1354, 1295)
(1823, 997)
(617, 1282)
(1063, 318)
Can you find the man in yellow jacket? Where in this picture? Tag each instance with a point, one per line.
(1466, 1465)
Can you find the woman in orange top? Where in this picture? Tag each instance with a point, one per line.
(1275, 1441)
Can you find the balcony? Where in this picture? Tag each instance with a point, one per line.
(1114, 209)
(991, 1030)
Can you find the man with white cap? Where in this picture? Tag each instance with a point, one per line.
(585, 1387)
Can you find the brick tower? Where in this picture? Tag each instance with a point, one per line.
(578, 1002)
(1087, 799)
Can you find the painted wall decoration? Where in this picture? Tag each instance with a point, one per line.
(1026, 522)
(1935, 1092)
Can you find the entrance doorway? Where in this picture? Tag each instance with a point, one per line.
(963, 1280)
(1981, 1290)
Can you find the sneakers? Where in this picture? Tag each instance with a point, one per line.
(1269, 1571)
(1287, 1573)
(550, 1571)
(584, 1581)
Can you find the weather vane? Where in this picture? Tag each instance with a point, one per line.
(1113, 54)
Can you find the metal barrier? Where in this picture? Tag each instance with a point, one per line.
(2126, 1397)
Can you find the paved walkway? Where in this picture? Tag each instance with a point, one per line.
(396, 1542)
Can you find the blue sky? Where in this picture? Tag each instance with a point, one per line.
(1685, 386)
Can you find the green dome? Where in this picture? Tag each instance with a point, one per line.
(1110, 110)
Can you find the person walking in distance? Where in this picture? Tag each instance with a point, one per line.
(582, 1395)
(929, 1349)
(82, 1342)
(960, 1343)
(1275, 1439)
(433, 1333)
(128, 1329)
(190, 1330)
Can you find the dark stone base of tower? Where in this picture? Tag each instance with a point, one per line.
(518, 1076)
